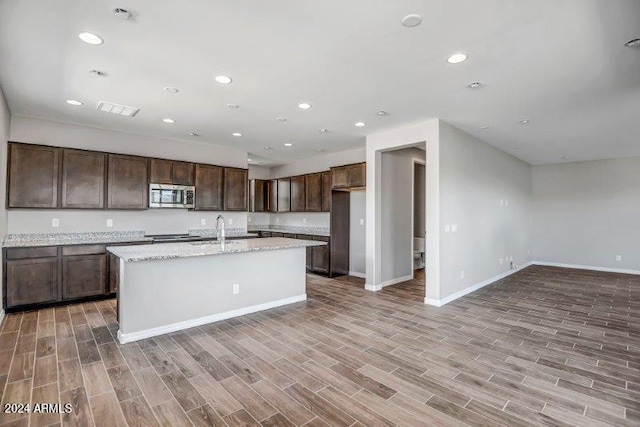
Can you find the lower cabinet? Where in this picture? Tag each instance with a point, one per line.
(84, 276)
(320, 263)
(114, 273)
(31, 281)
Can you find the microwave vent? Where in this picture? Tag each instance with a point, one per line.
(122, 110)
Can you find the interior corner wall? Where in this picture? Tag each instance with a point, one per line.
(586, 213)
(396, 213)
(487, 195)
(38, 131)
(5, 122)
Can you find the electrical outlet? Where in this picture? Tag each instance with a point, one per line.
(249, 219)
(361, 221)
(277, 220)
(304, 220)
(55, 222)
(501, 260)
(109, 223)
(454, 228)
(447, 228)
(230, 221)
(506, 203)
(462, 274)
(501, 202)
(203, 221)
(236, 288)
(619, 258)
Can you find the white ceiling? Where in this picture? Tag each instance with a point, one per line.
(562, 64)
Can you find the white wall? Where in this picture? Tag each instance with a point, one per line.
(357, 233)
(586, 213)
(37, 131)
(259, 172)
(396, 213)
(5, 119)
(319, 163)
(474, 178)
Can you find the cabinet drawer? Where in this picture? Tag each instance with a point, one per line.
(39, 252)
(84, 250)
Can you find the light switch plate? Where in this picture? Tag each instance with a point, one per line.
(203, 221)
(304, 220)
(361, 221)
(55, 222)
(109, 222)
(230, 221)
(454, 228)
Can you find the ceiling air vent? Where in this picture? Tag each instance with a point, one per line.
(122, 110)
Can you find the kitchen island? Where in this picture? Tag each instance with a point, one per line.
(174, 286)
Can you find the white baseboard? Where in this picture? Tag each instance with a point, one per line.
(147, 333)
(384, 284)
(447, 300)
(357, 274)
(587, 267)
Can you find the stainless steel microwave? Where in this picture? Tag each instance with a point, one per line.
(172, 196)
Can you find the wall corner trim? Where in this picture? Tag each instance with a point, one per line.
(1, 316)
(473, 288)
(587, 267)
(372, 288)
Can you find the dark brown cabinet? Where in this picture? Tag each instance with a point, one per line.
(298, 203)
(127, 185)
(326, 191)
(313, 192)
(163, 171)
(309, 260)
(272, 193)
(31, 276)
(83, 179)
(114, 273)
(357, 175)
(209, 186)
(236, 186)
(33, 176)
(83, 276)
(258, 196)
(339, 177)
(284, 195)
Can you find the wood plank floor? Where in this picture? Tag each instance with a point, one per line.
(545, 346)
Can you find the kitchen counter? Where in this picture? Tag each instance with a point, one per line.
(291, 229)
(195, 249)
(61, 239)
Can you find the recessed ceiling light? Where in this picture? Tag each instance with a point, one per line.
(97, 73)
(474, 85)
(524, 122)
(412, 20)
(73, 102)
(193, 134)
(223, 80)
(381, 113)
(233, 106)
(304, 105)
(359, 124)
(90, 38)
(281, 119)
(485, 127)
(324, 130)
(268, 148)
(236, 134)
(633, 43)
(171, 89)
(288, 144)
(457, 58)
(169, 121)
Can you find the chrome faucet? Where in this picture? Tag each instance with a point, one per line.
(220, 231)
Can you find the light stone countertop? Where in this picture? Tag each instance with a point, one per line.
(195, 249)
(60, 239)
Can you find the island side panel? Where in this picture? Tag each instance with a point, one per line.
(160, 296)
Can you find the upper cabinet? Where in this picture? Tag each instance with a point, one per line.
(209, 187)
(127, 186)
(236, 189)
(326, 192)
(83, 179)
(349, 176)
(33, 176)
(298, 202)
(284, 195)
(313, 192)
(258, 197)
(272, 193)
(170, 172)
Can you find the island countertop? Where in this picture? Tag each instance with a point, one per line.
(195, 249)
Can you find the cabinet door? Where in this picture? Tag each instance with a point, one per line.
(236, 189)
(284, 195)
(356, 175)
(31, 281)
(309, 259)
(33, 176)
(114, 273)
(272, 189)
(160, 171)
(127, 182)
(313, 192)
(321, 256)
(182, 173)
(297, 194)
(257, 195)
(83, 174)
(209, 187)
(339, 177)
(326, 191)
(84, 276)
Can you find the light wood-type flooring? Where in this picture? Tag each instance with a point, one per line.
(545, 346)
